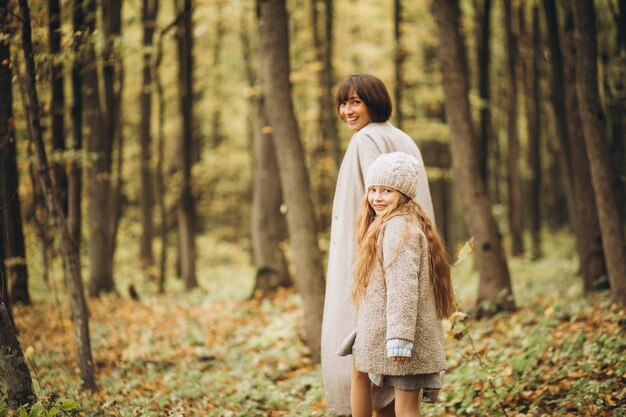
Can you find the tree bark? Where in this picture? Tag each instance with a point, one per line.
(186, 204)
(14, 249)
(19, 384)
(269, 228)
(483, 12)
(100, 151)
(513, 177)
(68, 248)
(594, 130)
(148, 16)
(274, 47)
(494, 288)
(327, 153)
(57, 101)
(75, 172)
(585, 224)
(531, 56)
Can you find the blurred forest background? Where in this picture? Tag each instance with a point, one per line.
(167, 171)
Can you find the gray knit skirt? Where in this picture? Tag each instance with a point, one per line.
(430, 383)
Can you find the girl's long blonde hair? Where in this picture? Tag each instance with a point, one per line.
(368, 228)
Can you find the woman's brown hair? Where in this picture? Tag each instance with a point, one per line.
(371, 90)
(368, 229)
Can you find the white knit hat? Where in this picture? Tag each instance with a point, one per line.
(396, 170)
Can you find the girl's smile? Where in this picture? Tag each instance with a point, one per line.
(355, 113)
(381, 198)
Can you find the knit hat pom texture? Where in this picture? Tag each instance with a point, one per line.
(396, 170)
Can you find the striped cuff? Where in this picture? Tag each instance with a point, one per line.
(399, 347)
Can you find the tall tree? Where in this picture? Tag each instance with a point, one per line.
(217, 133)
(483, 30)
(594, 130)
(75, 171)
(57, 99)
(14, 249)
(148, 17)
(585, 216)
(186, 204)
(327, 153)
(269, 227)
(309, 277)
(530, 52)
(69, 250)
(513, 173)
(100, 151)
(495, 284)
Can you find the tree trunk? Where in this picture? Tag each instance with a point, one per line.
(186, 205)
(593, 123)
(68, 248)
(19, 384)
(148, 17)
(514, 182)
(57, 102)
(274, 48)
(399, 58)
(327, 153)
(531, 56)
(75, 172)
(585, 221)
(14, 249)
(100, 150)
(494, 288)
(483, 29)
(217, 134)
(269, 228)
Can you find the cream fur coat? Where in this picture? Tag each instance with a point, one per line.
(339, 313)
(399, 303)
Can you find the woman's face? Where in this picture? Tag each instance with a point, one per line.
(381, 198)
(354, 112)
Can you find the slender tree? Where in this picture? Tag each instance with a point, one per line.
(594, 130)
(57, 99)
(530, 55)
(586, 224)
(513, 173)
(100, 151)
(309, 277)
(327, 152)
(14, 249)
(148, 17)
(495, 284)
(69, 250)
(75, 171)
(186, 204)
(483, 31)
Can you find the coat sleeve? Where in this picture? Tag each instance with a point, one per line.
(401, 260)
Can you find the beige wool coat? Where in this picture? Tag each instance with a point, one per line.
(399, 303)
(339, 313)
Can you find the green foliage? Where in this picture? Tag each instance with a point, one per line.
(42, 408)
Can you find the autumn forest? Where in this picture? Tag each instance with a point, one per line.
(167, 176)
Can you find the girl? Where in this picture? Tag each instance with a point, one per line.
(363, 103)
(402, 290)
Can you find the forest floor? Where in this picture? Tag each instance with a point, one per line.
(187, 354)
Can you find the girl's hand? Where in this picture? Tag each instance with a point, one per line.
(400, 358)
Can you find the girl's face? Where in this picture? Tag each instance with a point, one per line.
(381, 198)
(354, 112)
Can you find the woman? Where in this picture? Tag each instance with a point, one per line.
(363, 103)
